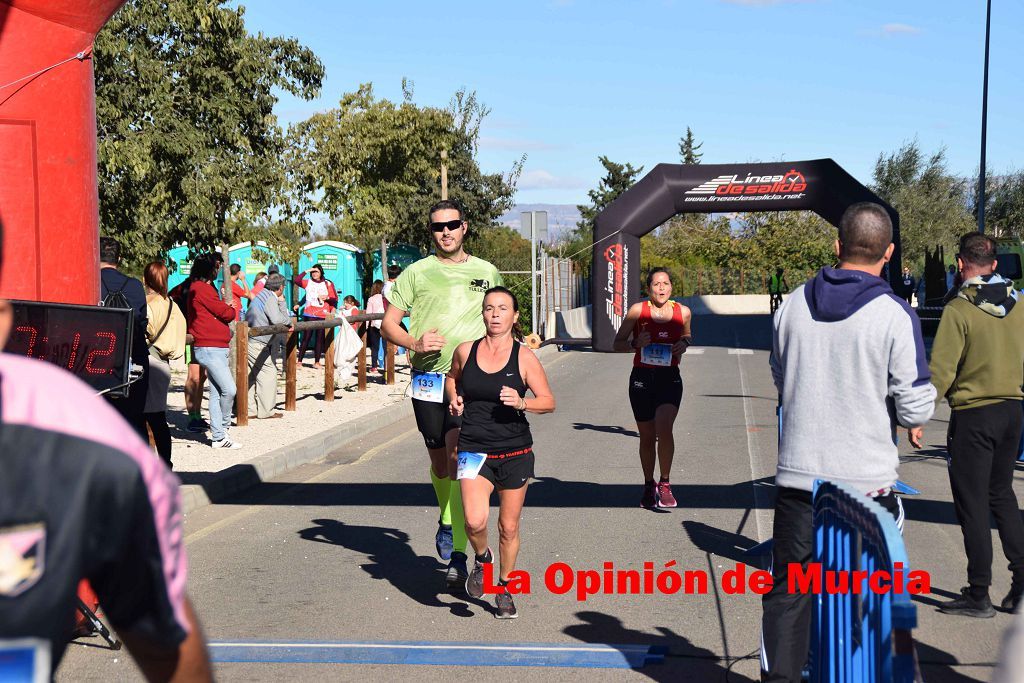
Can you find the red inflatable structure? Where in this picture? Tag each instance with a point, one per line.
(48, 191)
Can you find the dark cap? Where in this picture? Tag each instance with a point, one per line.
(273, 269)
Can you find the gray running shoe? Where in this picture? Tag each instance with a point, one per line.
(475, 582)
(506, 609)
(456, 575)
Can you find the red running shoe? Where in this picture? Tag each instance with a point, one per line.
(665, 497)
(650, 497)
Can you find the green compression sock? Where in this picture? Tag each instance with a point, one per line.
(458, 519)
(443, 489)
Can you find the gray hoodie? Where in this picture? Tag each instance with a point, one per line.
(848, 361)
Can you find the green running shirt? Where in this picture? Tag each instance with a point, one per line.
(449, 297)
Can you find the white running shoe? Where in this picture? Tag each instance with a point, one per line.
(226, 442)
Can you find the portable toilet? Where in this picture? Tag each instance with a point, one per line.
(342, 264)
(179, 263)
(402, 254)
(253, 259)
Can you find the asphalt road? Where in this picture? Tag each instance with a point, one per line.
(342, 551)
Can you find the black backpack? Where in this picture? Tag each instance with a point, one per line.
(117, 299)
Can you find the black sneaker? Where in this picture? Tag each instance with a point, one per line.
(475, 582)
(506, 609)
(1013, 598)
(443, 541)
(456, 575)
(966, 606)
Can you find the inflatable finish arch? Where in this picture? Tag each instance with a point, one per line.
(48, 190)
(669, 189)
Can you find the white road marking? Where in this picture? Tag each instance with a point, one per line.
(741, 352)
(761, 504)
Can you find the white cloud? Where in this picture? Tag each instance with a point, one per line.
(895, 29)
(543, 180)
(513, 145)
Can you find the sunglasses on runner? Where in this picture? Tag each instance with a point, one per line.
(451, 225)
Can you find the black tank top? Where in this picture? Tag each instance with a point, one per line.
(489, 426)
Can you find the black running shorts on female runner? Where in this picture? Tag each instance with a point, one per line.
(509, 470)
(653, 387)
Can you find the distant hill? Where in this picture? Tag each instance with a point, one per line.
(562, 218)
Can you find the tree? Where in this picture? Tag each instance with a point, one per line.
(1004, 210)
(689, 148)
(189, 149)
(933, 204)
(375, 165)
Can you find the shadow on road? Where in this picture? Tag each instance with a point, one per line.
(683, 660)
(607, 429)
(721, 543)
(937, 666)
(392, 559)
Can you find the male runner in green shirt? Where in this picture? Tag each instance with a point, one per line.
(444, 294)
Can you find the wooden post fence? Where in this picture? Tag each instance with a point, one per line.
(329, 364)
(242, 373)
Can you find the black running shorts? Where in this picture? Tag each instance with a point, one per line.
(434, 421)
(653, 387)
(509, 471)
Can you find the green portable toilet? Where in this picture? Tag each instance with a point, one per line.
(342, 264)
(402, 254)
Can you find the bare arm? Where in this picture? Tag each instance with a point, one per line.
(537, 382)
(391, 329)
(679, 348)
(622, 342)
(188, 661)
(451, 381)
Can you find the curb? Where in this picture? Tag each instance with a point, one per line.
(242, 476)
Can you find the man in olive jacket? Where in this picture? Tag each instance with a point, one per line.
(978, 365)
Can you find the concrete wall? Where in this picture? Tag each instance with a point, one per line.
(576, 322)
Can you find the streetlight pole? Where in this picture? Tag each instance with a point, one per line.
(984, 122)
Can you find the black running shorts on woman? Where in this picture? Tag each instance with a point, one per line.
(653, 387)
(509, 470)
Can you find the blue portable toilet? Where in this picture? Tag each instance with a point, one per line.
(253, 258)
(342, 263)
(402, 254)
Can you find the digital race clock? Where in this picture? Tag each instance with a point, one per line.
(92, 342)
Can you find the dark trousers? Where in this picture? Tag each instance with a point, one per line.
(316, 337)
(786, 621)
(161, 434)
(373, 339)
(983, 446)
(132, 406)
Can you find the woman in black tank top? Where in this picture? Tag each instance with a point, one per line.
(487, 387)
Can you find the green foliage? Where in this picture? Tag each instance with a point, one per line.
(617, 179)
(689, 148)
(189, 149)
(373, 166)
(933, 204)
(1004, 206)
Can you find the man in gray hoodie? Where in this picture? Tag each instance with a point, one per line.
(849, 364)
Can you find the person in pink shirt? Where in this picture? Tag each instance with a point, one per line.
(375, 304)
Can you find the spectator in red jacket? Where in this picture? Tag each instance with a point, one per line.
(320, 302)
(208, 319)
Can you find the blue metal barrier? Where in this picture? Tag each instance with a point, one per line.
(866, 637)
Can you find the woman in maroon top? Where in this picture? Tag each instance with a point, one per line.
(657, 331)
(208, 319)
